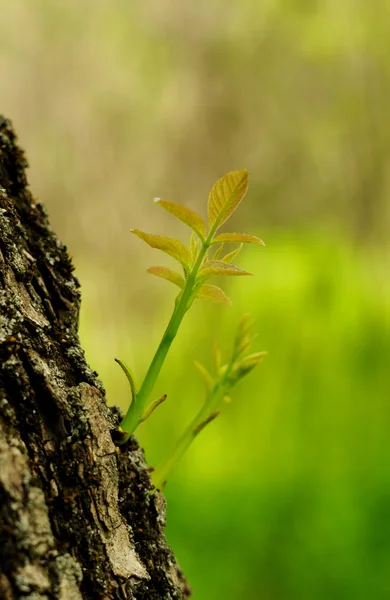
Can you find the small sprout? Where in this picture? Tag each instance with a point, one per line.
(243, 238)
(168, 274)
(197, 266)
(225, 195)
(186, 215)
(173, 247)
(130, 378)
(223, 370)
(219, 267)
(245, 366)
(242, 340)
(207, 379)
(228, 258)
(213, 293)
(217, 396)
(218, 252)
(198, 428)
(149, 409)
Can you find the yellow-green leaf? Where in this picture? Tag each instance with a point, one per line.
(243, 340)
(198, 428)
(186, 215)
(217, 357)
(225, 195)
(152, 406)
(127, 371)
(247, 364)
(217, 253)
(167, 274)
(228, 258)
(218, 267)
(213, 293)
(243, 238)
(207, 379)
(170, 246)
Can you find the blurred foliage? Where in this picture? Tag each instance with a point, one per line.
(287, 495)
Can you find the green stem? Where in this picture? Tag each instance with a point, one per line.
(160, 475)
(206, 414)
(137, 407)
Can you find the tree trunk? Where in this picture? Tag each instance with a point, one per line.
(77, 516)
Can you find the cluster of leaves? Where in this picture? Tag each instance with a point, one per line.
(226, 376)
(203, 258)
(218, 385)
(224, 198)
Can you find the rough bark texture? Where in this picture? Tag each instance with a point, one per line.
(77, 517)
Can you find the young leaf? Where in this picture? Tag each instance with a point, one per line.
(213, 293)
(206, 421)
(228, 258)
(246, 365)
(186, 215)
(167, 274)
(207, 379)
(217, 253)
(218, 267)
(173, 247)
(152, 406)
(130, 377)
(244, 238)
(223, 370)
(243, 346)
(225, 195)
(242, 341)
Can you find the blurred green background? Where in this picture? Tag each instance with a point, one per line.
(287, 494)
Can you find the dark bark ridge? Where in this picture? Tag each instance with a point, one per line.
(77, 516)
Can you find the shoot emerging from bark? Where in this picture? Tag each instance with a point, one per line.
(199, 261)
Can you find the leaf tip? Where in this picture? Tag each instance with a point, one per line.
(152, 406)
(198, 428)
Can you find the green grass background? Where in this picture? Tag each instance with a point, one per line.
(287, 494)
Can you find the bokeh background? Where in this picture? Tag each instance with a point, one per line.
(287, 494)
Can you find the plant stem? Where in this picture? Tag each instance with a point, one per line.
(134, 414)
(160, 475)
(207, 413)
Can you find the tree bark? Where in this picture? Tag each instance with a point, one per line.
(77, 516)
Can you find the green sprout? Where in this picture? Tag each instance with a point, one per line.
(197, 266)
(218, 385)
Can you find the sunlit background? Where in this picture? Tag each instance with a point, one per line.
(287, 494)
